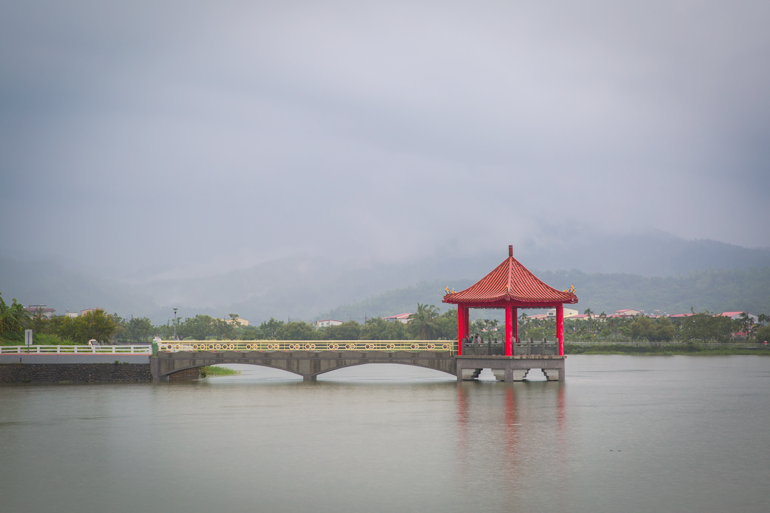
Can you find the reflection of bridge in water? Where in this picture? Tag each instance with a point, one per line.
(310, 359)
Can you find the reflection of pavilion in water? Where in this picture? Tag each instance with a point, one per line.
(510, 286)
(510, 434)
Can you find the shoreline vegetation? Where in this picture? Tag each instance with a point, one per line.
(212, 371)
(663, 350)
(694, 333)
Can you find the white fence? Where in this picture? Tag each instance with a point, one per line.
(142, 349)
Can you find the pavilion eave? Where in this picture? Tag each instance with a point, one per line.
(510, 302)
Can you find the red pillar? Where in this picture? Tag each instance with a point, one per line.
(508, 330)
(462, 327)
(516, 325)
(560, 327)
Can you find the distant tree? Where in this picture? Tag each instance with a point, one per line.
(447, 325)
(296, 331)
(706, 327)
(91, 325)
(664, 329)
(138, 329)
(746, 323)
(38, 322)
(223, 330)
(423, 322)
(13, 318)
(375, 328)
(199, 327)
(350, 330)
(270, 328)
(763, 334)
(250, 333)
(396, 330)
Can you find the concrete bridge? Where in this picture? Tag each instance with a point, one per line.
(310, 364)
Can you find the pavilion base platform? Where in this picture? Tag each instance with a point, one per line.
(510, 368)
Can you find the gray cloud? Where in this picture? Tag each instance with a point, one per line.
(214, 136)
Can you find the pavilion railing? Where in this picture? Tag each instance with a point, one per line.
(490, 347)
(306, 345)
(524, 348)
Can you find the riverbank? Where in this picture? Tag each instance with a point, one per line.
(666, 350)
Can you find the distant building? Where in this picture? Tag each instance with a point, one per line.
(40, 309)
(569, 313)
(241, 322)
(627, 313)
(402, 318)
(583, 317)
(83, 312)
(70, 314)
(737, 315)
(326, 323)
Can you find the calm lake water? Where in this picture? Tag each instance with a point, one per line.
(623, 434)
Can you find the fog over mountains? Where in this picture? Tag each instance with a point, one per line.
(305, 287)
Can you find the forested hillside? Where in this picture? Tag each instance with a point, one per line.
(713, 290)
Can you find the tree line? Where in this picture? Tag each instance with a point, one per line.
(698, 327)
(427, 323)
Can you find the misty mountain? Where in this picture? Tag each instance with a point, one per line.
(305, 286)
(716, 290)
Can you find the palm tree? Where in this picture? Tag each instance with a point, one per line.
(424, 320)
(13, 318)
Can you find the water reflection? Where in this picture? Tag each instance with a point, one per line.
(392, 438)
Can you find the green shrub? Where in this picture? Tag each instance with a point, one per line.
(49, 339)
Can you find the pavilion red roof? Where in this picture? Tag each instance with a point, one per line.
(511, 282)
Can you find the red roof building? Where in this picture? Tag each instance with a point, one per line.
(402, 318)
(510, 286)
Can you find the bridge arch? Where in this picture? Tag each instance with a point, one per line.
(358, 364)
(307, 364)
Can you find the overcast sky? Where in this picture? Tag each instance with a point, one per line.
(220, 134)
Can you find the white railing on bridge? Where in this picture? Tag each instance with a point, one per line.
(306, 345)
(138, 349)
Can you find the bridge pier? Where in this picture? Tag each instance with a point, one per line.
(510, 368)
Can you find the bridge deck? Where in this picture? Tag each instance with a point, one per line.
(307, 345)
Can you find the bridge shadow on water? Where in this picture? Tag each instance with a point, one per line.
(379, 373)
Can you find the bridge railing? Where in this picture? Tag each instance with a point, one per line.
(307, 345)
(138, 349)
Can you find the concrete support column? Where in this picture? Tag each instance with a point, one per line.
(560, 327)
(508, 330)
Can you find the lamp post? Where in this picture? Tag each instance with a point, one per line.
(175, 309)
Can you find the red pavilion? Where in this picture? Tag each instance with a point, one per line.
(510, 286)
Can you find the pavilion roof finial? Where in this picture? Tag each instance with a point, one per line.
(510, 250)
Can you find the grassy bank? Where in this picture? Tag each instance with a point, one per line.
(213, 371)
(680, 349)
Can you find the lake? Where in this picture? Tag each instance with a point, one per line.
(624, 433)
